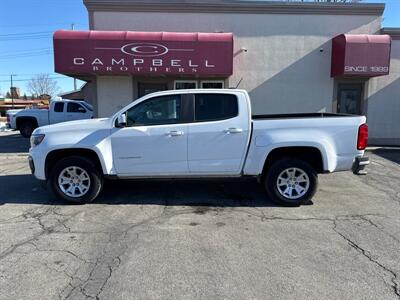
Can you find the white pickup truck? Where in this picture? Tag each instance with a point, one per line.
(26, 120)
(198, 133)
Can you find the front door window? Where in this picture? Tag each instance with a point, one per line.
(349, 98)
(156, 111)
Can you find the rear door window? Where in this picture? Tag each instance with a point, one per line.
(59, 107)
(213, 107)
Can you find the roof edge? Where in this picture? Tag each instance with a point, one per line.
(236, 6)
(394, 32)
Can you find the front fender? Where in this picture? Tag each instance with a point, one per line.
(97, 141)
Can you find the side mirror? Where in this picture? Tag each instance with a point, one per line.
(121, 120)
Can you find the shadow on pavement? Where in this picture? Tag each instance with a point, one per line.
(24, 189)
(221, 193)
(13, 142)
(392, 154)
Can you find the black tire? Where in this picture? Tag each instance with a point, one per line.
(26, 128)
(95, 183)
(271, 182)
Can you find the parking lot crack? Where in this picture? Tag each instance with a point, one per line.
(44, 230)
(394, 285)
(380, 228)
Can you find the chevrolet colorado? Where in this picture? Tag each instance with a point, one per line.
(198, 133)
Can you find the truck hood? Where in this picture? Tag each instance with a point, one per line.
(75, 126)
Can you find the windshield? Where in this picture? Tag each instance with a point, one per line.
(87, 105)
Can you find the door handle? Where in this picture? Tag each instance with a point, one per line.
(233, 130)
(175, 133)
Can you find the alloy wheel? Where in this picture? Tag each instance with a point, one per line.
(74, 181)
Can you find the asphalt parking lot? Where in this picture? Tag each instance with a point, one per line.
(199, 239)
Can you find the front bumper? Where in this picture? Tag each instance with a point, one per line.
(36, 162)
(359, 165)
(31, 165)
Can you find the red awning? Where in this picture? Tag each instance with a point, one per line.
(360, 55)
(129, 52)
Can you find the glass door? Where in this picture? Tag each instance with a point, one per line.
(349, 99)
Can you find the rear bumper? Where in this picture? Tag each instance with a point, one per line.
(359, 165)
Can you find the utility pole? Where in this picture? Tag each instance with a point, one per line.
(11, 91)
(73, 28)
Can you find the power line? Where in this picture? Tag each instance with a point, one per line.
(50, 73)
(35, 37)
(25, 55)
(23, 51)
(31, 74)
(41, 25)
(25, 33)
(47, 37)
(29, 79)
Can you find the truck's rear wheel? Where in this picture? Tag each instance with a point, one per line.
(291, 182)
(76, 179)
(26, 128)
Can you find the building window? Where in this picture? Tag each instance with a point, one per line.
(185, 84)
(212, 84)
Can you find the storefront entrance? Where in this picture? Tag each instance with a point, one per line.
(148, 88)
(349, 98)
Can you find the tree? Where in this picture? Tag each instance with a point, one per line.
(43, 84)
(8, 95)
(25, 97)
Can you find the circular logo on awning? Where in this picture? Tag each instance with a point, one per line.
(144, 49)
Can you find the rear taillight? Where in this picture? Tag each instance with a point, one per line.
(362, 140)
(8, 119)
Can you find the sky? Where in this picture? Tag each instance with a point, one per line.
(26, 28)
(26, 54)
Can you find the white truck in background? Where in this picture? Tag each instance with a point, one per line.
(201, 133)
(27, 120)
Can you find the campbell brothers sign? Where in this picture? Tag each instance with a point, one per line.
(360, 55)
(125, 52)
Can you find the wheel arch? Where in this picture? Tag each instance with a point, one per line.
(57, 154)
(311, 154)
(22, 119)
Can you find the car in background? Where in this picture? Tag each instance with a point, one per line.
(27, 120)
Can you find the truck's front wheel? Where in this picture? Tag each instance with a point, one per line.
(291, 182)
(26, 128)
(76, 179)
